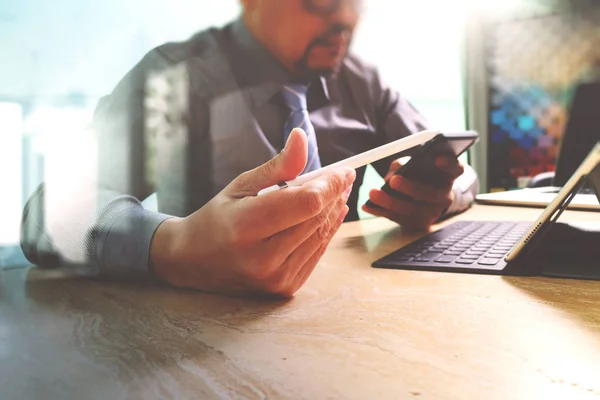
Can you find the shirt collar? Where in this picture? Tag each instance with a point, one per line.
(258, 72)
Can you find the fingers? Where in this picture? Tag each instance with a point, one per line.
(302, 262)
(402, 207)
(286, 242)
(408, 213)
(449, 165)
(395, 166)
(421, 192)
(312, 262)
(381, 212)
(277, 211)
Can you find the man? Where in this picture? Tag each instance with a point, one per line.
(283, 64)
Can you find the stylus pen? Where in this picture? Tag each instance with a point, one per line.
(361, 159)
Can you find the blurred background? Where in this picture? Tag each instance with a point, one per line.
(504, 68)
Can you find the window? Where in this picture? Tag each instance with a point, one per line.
(11, 119)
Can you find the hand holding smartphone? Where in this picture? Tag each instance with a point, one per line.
(422, 167)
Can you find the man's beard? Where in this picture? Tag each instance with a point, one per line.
(301, 65)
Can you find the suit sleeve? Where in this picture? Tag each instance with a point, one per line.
(97, 224)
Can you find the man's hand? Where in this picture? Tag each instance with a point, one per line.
(239, 243)
(428, 202)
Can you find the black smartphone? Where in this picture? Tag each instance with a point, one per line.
(421, 167)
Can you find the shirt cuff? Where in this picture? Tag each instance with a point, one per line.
(462, 201)
(465, 189)
(122, 242)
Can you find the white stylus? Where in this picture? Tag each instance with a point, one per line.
(361, 159)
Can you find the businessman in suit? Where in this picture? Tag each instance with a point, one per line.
(271, 95)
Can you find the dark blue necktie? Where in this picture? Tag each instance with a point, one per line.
(294, 95)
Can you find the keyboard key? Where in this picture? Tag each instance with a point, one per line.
(453, 252)
(488, 261)
(402, 257)
(464, 261)
(445, 259)
(428, 256)
(461, 246)
(434, 250)
(498, 251)
(480, 248)
(475, 252)
(448, 242)
(490, 255)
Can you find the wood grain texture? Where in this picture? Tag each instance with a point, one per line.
(352, 332)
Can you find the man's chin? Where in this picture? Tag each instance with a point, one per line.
(324, 69)
(311, 66)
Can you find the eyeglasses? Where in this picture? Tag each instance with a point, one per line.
(326, 7)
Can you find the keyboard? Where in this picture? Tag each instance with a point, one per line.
(463, 246)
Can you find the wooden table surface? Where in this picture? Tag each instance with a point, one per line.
(352, 332)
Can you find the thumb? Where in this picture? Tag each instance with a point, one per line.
(285, 166)
(395, 166)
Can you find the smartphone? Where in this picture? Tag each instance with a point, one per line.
(421, 167)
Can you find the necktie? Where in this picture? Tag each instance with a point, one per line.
(294, 95)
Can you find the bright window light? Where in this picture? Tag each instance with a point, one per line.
(69, 172)
(11, 117)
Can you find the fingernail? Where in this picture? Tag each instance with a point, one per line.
(350, 175)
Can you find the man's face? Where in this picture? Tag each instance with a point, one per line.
(307, 36)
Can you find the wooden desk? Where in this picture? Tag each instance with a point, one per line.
(352, 332)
